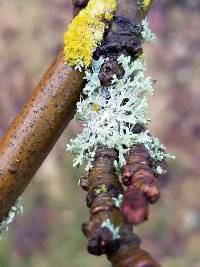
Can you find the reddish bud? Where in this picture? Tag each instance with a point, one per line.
(134, 206)
(147, 183)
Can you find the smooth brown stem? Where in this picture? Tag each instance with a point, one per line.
(36, 129)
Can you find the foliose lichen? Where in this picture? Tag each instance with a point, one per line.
(146, 33)
(16, 209)
(86, 31)
(110, 113)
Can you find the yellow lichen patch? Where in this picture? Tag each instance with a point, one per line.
(86, 32)
(101, 189)
(146, 4)
(95, 107)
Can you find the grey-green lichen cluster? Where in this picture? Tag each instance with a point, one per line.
(146, 33)
(118, 200)
(110, 113)
(115, 230)
(108, 117)
(16, 209)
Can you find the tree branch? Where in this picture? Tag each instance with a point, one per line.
(36, 129)
(108, 231)
(120, 244)
(39, 124)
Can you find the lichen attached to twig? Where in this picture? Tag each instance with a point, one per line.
(86, 32)
(110, 113)
(16, 209)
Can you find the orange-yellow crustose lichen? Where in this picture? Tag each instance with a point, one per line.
(86, 32)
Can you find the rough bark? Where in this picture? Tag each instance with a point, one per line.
(103, 186)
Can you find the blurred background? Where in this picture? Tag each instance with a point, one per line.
(49, 231)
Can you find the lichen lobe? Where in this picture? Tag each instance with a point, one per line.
(86, 32)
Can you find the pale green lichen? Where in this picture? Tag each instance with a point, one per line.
(117, 167)
(118, 200)
(146, 33)
(159, 170)
(16, 209)
(121, 106)
(101, 189)
(110, 226)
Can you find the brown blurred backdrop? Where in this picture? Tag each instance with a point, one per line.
(48, 233)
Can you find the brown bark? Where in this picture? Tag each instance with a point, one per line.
(36, 129)
(130, 255)
(142, 185)
(132, 9)
(103, 186)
